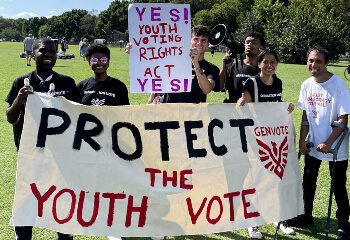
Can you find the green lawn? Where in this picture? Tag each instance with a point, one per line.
(12, 66)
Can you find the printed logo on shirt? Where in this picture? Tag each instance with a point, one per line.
(107, 94)
(271, 95)
(315, 113)
(318, 99)
(61, 92)
(243, 75)
(273, 156)
(98, 102)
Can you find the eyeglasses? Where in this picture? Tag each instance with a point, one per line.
(102, 59)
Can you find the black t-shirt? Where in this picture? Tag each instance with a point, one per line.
(266, 93)
(236, 75)
(196, 95)
(64, 86)
(110, 92)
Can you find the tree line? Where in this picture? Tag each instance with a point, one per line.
(291, 26)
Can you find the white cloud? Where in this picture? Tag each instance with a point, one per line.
(25, 15)
(2, 8)
(52, 13)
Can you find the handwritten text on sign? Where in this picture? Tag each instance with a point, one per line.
(159, 59)
(124, 171)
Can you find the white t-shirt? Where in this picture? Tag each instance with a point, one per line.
(324, 103)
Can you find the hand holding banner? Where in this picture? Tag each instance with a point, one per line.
(125, 171)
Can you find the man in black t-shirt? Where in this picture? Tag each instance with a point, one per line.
(233, 75)
(205, 75)
(44, 51)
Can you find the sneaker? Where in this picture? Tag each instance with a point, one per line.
(343, 232)
(301, 220)
(114, 238)
(284, 228)
(157, 238)
(254, 233)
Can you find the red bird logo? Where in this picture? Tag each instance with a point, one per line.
(276, 159)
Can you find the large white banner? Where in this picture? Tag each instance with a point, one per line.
(155, 170)
(160, 35)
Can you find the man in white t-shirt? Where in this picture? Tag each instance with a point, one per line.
(324, 98)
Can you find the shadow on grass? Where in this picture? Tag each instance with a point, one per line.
(318, 231)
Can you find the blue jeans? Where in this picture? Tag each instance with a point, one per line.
(25, 233)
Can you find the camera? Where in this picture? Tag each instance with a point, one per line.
(219, 35)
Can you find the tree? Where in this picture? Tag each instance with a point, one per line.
(33, 25)
(227, 13)
(251, 23)
(302, 27)
(87, 25)
(53, 28)
(10, 33)
(71, 22)
(114, 18)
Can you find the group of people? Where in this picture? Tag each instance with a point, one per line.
(251, 80)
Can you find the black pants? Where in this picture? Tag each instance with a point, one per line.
(311, 169)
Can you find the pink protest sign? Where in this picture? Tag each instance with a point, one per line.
(160, 35)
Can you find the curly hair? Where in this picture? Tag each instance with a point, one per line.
(256, 35)
(94, 48)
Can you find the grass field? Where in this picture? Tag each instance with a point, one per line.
(12, 66)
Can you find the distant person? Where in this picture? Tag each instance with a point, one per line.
(44, 51)
(64, 46)
(80, 44)
(28, 44)
(83, 48)
(324, 98)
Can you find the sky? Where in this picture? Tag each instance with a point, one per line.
(47, 8)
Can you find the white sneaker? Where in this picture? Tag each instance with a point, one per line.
(284, 228)
(157, 238)
(114, 238)
(254, 233)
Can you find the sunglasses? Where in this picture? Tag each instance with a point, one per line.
(102, 59)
